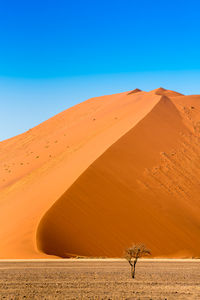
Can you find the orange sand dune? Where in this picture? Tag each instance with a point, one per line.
(103, 174)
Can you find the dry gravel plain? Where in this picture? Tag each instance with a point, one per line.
(99, 279)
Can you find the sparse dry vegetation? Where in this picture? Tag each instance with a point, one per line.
(135, 252)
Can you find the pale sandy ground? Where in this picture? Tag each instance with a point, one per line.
(99, 279)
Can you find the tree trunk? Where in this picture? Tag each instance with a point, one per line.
(132, 272)
(133, 268)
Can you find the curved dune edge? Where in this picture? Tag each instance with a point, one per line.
(143, 188)
(41, 164)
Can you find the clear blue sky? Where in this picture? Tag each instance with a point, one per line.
(54, 54)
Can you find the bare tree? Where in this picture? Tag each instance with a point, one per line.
(133, 253)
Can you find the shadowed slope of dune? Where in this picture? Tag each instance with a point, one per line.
(144, 188)
(37, 167)
(134, 91)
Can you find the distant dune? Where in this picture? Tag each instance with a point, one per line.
(103, 174)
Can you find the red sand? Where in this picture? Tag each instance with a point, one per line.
(103, 174)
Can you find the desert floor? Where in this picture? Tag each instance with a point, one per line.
(99, 279)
